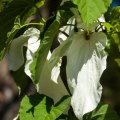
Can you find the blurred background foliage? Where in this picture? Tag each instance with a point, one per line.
(4, 3)
(111, 76)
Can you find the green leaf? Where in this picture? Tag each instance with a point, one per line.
(90, 10)
(102, 112)
(40, 107)
(41, 54)
(10, 36)
(14, 9)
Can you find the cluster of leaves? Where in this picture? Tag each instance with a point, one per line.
(40, 106)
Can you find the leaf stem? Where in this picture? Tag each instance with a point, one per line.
(40, 24)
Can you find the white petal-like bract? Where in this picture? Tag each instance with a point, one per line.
(54, 89)
(15, 53)
(86, 60)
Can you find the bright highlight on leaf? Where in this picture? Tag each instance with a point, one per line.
(90, 10)
(40, 107)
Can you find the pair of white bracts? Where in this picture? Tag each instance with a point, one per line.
(86, 61)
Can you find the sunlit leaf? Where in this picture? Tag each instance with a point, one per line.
(40, 107)
(90, 10)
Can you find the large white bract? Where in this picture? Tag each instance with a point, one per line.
(86, 61)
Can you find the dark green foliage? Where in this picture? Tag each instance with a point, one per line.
(7, 18)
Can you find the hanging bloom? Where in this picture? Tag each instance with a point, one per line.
(84, 71)
(86, 61)
(46, 86)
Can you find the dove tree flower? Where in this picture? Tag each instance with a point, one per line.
(86, 61)
(79, 30)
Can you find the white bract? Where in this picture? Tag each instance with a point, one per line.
(15, 53)
(86, 61)
(46, 86)
(84, 69)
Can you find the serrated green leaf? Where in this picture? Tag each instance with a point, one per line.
(41, 54)
(14, 9)
(90, 10)
(40, 107)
